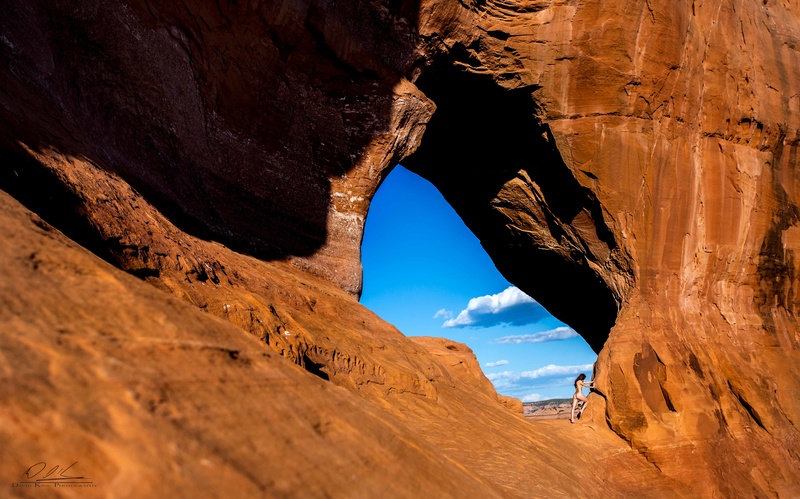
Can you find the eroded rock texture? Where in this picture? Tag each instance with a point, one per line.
(631, 165)
(681, 119)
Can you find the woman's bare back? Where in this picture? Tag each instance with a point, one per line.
(579, 390)
(578, 396)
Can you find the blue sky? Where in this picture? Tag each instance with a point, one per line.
(427, 274)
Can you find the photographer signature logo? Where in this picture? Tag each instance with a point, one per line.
(42, 475)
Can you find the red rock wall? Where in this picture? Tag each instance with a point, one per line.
(683, 121)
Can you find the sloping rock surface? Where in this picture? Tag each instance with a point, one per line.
(150, 396)
(133, 384)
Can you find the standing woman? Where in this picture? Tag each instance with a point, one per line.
(579, 384)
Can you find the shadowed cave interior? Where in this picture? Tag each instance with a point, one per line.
(481, 137)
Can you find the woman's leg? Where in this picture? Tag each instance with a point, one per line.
(574, 405)
(583, 407)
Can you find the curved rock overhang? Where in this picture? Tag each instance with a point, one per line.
(496, 163)
(244, 123)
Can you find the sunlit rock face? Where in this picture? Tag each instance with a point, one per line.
(631, 165)
(680, 124)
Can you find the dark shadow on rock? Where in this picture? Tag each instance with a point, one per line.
(776, 263)
(481, 137)
(231, 118)
(39, 190)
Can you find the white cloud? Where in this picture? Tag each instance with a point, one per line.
(502, 375)
(554, 370)
(496, 363)
(510, 306)
(551, 370)
(531, 397)
(559, 333)
(551, 379)
(443, 314)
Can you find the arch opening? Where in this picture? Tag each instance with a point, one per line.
(426, 273)
(496, 163)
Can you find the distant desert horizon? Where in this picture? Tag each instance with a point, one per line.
(547, 409)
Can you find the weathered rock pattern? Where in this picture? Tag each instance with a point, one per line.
(136, 382)
(681, 122)
(265, 126)
(151, 396)
(631, 165)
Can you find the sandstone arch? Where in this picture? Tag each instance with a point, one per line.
(496, 163)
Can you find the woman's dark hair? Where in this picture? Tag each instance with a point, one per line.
(580, 377)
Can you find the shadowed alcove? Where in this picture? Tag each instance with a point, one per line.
(497, 165)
